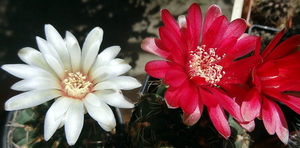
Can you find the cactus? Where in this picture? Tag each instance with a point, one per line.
(26, 131)
(153, 124)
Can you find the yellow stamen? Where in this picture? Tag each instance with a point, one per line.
(76, 85)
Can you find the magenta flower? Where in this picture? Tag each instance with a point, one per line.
(271, 80)
(201, 60)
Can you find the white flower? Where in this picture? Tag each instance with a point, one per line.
(79, 81)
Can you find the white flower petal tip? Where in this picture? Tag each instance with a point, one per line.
(51, 124)
(126, 103)
(107, 127)
(48, 27)
(114, 98)
(126, 82)
(30, 99)
(97, 33)
(74, 121)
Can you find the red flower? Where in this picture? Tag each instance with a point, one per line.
(279, 73)
(200, 61)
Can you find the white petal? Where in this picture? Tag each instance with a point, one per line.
(74, 51)
(30, 99)
(116, 61)
(112, 71)
(24, 71)
(118, 66)
(62, 123)
(100, 71)
(74, 121)
(105, 85)
(56, 66)
(109, 54)
(46, 48)
(36, 83)
(70, 39)
(90, 57)
(114, 98)
(51, 123)
(93, 99)
(106, 56)
(108, 128)
(34, 58)
(60, 106)
(125, 82)
(54, 38)
(102, 114)
(96, 35)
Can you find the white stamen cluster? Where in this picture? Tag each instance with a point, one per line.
(203, 64)
(76, 85)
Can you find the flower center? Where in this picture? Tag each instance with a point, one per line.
(76, 85)
(204, 64)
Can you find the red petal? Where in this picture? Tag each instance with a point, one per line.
(198, 81)
(228, 104)
(274, 93)
(267, 69)
(245, 45)
(184, 96)
(238, 71)
(290, 85)
(219, 120)
(174, 29)
(154, 46)
(225, 46)
(274, 83)
(281, 125)
(236, 91)
(255, 80)
(292, 102)
(273, 43)
(215, 32)
(194, 21)
(175, 78)
(289, 61)
(284, 48)
(172, 97)
(191, 119)
(269, 115)
(189, 99)
(248, 126)
(235, 28)
(212, 13)
(208, 98)
(158, 68)
(172, 43)
(233, 32)
(170, 22)
(251, 105)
